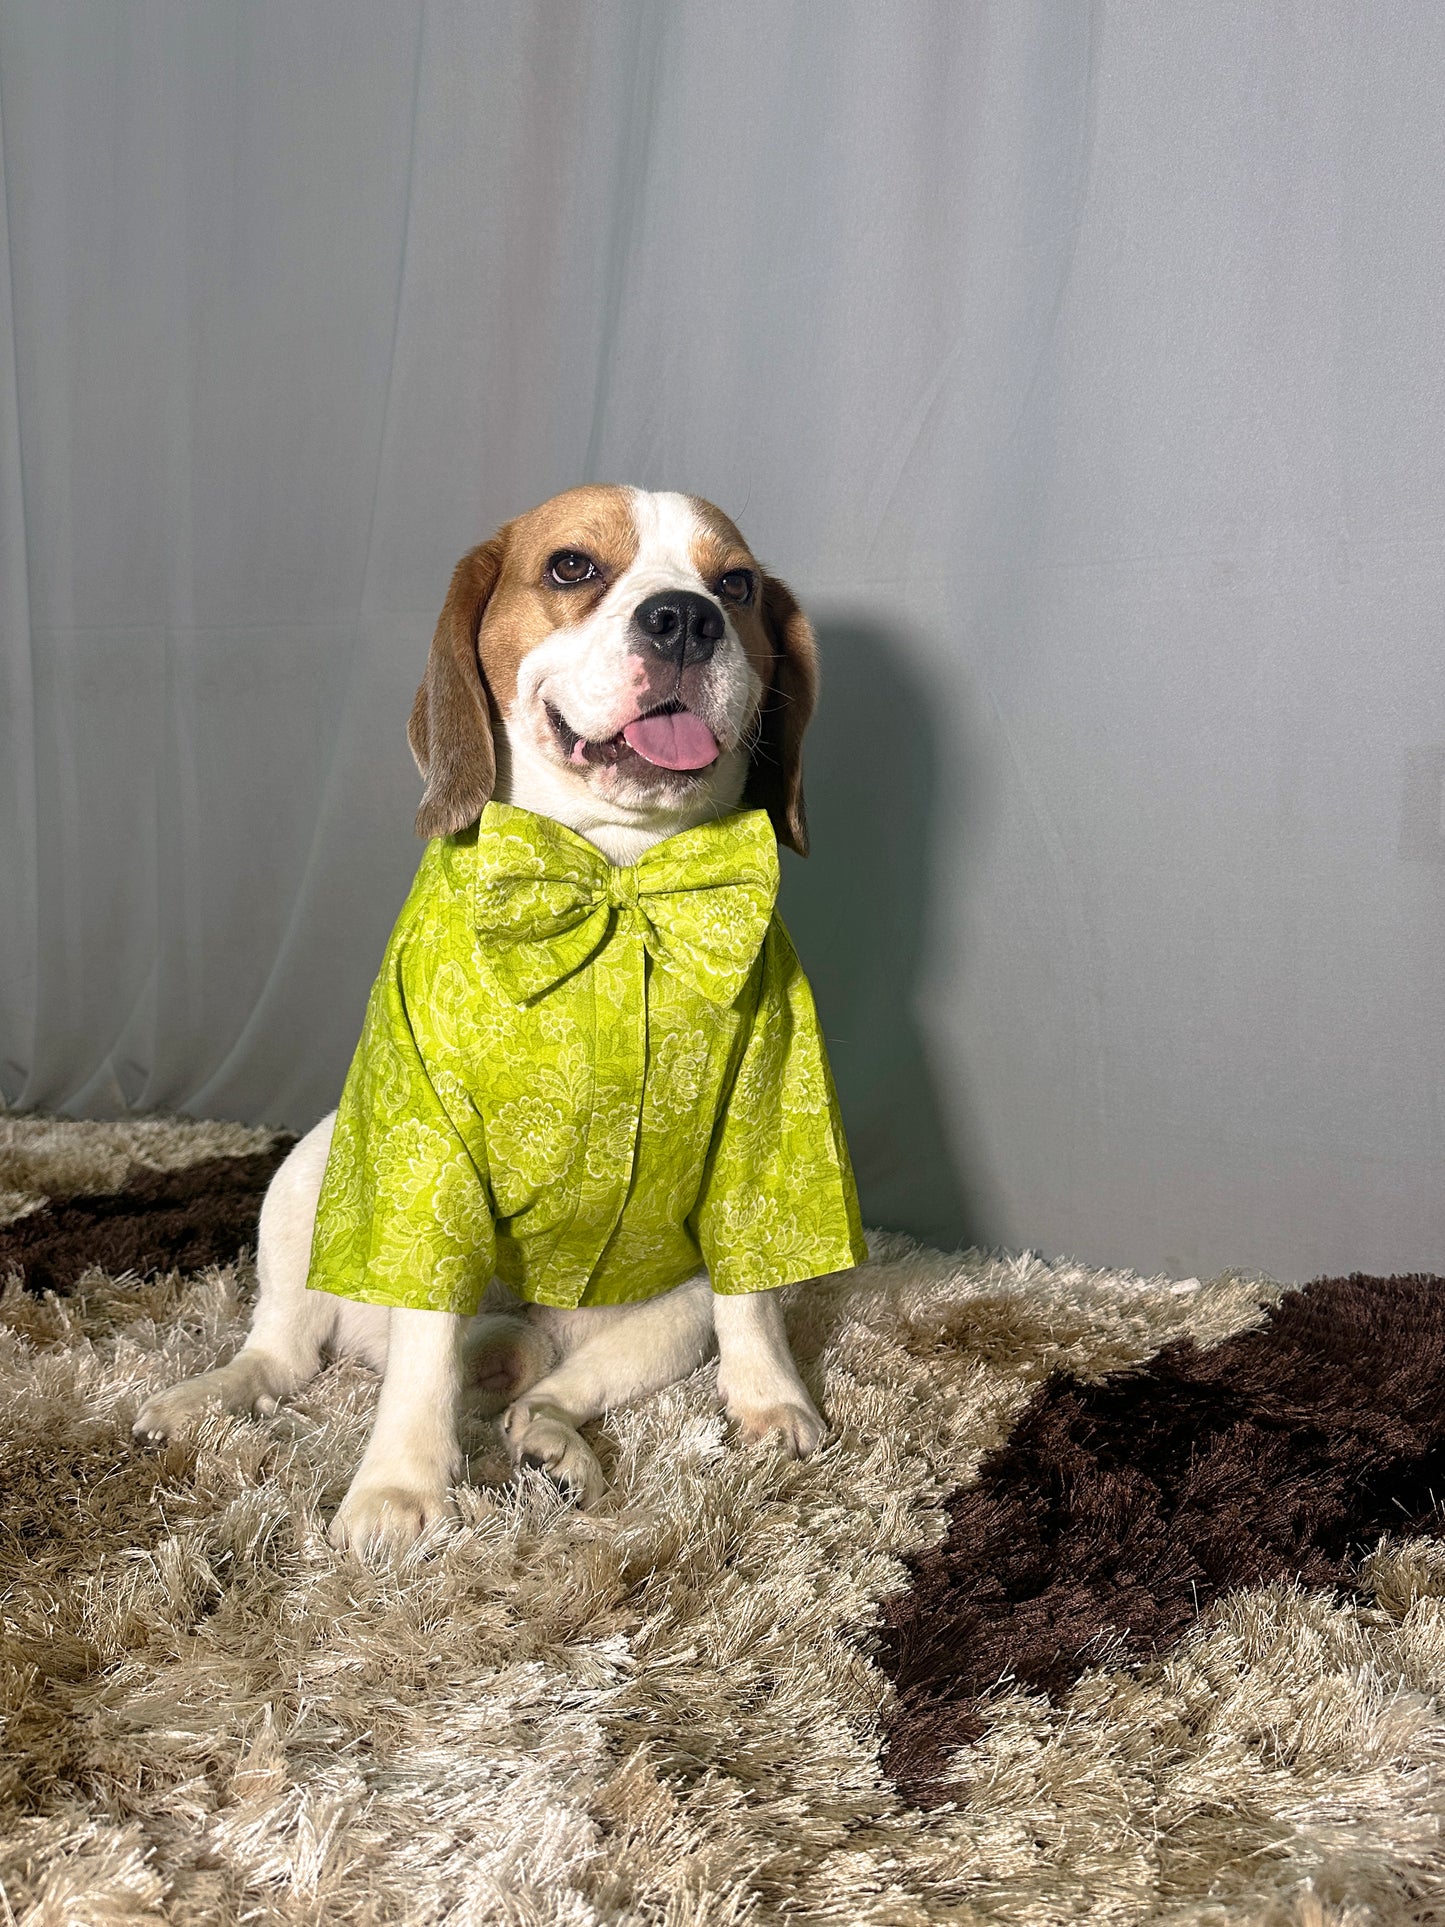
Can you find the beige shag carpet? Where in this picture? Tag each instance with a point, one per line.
(672, 1710)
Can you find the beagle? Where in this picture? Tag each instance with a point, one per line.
(618, 661)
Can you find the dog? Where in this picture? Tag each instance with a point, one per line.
(617, 661)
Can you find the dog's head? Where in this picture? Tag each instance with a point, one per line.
(617, 659)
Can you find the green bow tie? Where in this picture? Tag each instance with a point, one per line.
(545, 899)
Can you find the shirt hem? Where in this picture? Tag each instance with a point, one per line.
(844, 1258)
(398, 1301)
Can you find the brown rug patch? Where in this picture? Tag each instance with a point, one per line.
(1116, 1512)
(203, 1214)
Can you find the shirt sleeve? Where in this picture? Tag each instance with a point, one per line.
(404, 1217)
(778, 1202)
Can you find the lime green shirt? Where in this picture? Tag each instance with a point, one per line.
(587, 1080)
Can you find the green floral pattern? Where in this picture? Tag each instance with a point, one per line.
(586, 1080)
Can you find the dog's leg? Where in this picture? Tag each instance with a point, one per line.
(291, 1324)
(614, 1355)
(756, 1377)
(412, 1457)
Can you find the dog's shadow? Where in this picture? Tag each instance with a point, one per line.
(858, 913)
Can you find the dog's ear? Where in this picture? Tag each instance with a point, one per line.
(450, 731)
(775, 774)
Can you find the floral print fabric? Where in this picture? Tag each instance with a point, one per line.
(586, 1079)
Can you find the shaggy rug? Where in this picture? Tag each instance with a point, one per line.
(1109, 1600)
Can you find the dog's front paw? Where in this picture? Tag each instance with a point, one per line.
(796, 1427)
(542, 1438)
(250, 1383)
(173, 1412)
(179, 1408)
(378, 1520)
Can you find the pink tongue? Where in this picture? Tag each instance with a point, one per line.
(676, 741)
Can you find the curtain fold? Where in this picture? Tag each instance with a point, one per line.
(19, 869)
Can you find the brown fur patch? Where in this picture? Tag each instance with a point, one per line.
(775, 775)
(450, 728)
(525, 607)
(718, 546)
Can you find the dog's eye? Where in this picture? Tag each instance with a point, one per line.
(569, 567)
(736, 586)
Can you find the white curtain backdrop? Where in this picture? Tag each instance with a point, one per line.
(1078, 364)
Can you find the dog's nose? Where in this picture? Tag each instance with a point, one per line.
(681, 625)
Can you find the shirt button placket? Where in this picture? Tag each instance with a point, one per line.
(620, 1043)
